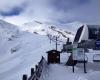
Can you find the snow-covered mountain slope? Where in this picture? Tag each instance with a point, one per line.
(45, 29)
(7, 30)
(19, 51)
(73, 26)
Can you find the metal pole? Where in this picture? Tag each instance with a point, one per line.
(73, 68)
(32, 71)
(84, 64)
(56, 43)
(73, 62)
(24, 77)
(50, 40)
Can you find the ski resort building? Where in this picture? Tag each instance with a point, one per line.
(88, 36)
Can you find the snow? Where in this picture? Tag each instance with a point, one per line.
(62, 72)
(29, 48)
(21, 50)
(45, 29)
(64, 57)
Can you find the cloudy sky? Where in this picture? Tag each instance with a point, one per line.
(54, 11)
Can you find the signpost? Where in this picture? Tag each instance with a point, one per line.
(79, 55)
(74, 50)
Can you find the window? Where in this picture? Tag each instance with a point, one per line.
(94, 33)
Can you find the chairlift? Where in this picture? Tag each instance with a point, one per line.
(95, 58)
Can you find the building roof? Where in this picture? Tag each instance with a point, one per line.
(53, 51)
(92, 32)
(93, 26)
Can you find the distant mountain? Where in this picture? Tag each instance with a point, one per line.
(45, 29)
(73, 26)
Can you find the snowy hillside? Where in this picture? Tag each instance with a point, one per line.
(19, 51)
(73, 26)
(7, 30)
(45, 29)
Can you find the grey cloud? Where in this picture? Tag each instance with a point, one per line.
(10, 8)
(61, 11)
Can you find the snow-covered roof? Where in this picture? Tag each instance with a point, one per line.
(53, 51)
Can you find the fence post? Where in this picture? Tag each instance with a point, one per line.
(36, 67)
(32, 71)
(35, 72)
(24, 77)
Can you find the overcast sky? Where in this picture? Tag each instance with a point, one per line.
(56, 11)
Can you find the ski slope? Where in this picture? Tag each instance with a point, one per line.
(29, 51)
(45, 29)
(21, 50)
